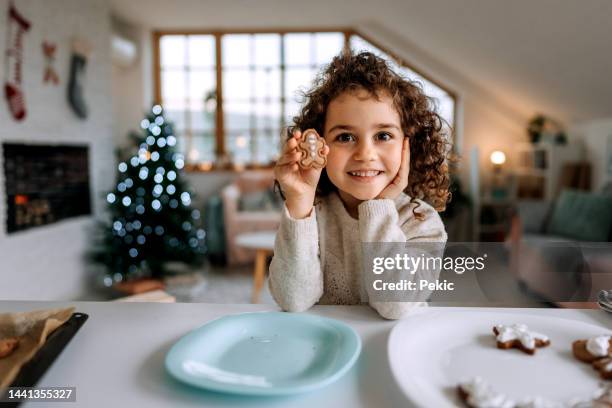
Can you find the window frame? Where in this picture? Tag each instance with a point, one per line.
(220, 145)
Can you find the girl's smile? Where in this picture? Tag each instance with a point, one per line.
(365, 145)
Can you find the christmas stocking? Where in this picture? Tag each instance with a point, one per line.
(13, 92)
(80, 51)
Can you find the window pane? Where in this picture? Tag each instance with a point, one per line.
(236, 50)
(327, 46)
(292, 108)
(267, 50)
(202, 148)
(181, 143)
(237, 84)
(201, 51)
(447, 109)
(267, 146)
(298, 49)
(201, 86)
(173, 84)
(297, 80)
(267, 114)
(267, 83)
(175, 112)
(358, 44)
(172, 50)
(237, 115)
(202, 120)
(239, 147)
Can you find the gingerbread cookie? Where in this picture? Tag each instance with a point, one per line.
(312, 147)
(604, 366)
(603, 399)
(592, 349)
(477, 393)
(519, 336)
(7, 345)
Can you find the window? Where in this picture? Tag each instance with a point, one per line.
(231, 94)
(188, 82)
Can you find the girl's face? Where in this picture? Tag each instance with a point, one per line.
(365, 144)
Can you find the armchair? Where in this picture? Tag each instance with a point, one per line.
(241, 220)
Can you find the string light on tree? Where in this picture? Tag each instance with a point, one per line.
(152, 219)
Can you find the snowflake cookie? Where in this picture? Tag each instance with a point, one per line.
(519, 336)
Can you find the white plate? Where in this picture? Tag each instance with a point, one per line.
(430, 354)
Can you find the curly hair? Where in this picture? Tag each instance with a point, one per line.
(428, 179)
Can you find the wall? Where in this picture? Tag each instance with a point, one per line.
(47, 262)
(597, 138)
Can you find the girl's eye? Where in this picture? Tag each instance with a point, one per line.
(384, 136)
(345, 138)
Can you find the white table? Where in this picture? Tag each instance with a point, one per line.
(263, 243)
(117, 357)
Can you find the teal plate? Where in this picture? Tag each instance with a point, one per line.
(265, 353)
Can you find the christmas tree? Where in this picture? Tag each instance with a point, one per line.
(152, 221)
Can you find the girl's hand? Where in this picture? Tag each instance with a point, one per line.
(298, 184)
(400, 182)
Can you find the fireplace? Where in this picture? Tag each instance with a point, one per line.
(44, 184)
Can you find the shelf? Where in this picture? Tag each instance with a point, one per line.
(533, 172)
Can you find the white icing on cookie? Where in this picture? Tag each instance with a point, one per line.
(539, 402)
(604, 395)
(481, 395)
(518, 332)
(598, 346)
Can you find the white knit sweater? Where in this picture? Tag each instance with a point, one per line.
(318, 258)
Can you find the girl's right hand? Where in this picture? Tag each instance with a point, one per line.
(298, 184)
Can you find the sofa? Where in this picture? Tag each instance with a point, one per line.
(561, 250)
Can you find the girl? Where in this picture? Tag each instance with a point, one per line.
(385, 178)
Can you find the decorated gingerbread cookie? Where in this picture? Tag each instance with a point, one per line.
(519, 336)
(598, 352)
(312, 146)
(604, 367)
(592, 349)
(477, 393)
(7, 345)
(603, 399)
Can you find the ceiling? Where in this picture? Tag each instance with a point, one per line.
(549, 56)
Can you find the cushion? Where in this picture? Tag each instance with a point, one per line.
(265, 200)
(582, 216)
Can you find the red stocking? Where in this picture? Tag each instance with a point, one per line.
(13, 92)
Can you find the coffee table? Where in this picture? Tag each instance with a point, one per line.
(263, 244)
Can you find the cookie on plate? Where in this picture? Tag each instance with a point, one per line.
(520, 337)
(477, 393)
(312, 147)
(7, 345)
(604, 367)
(592, 349)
